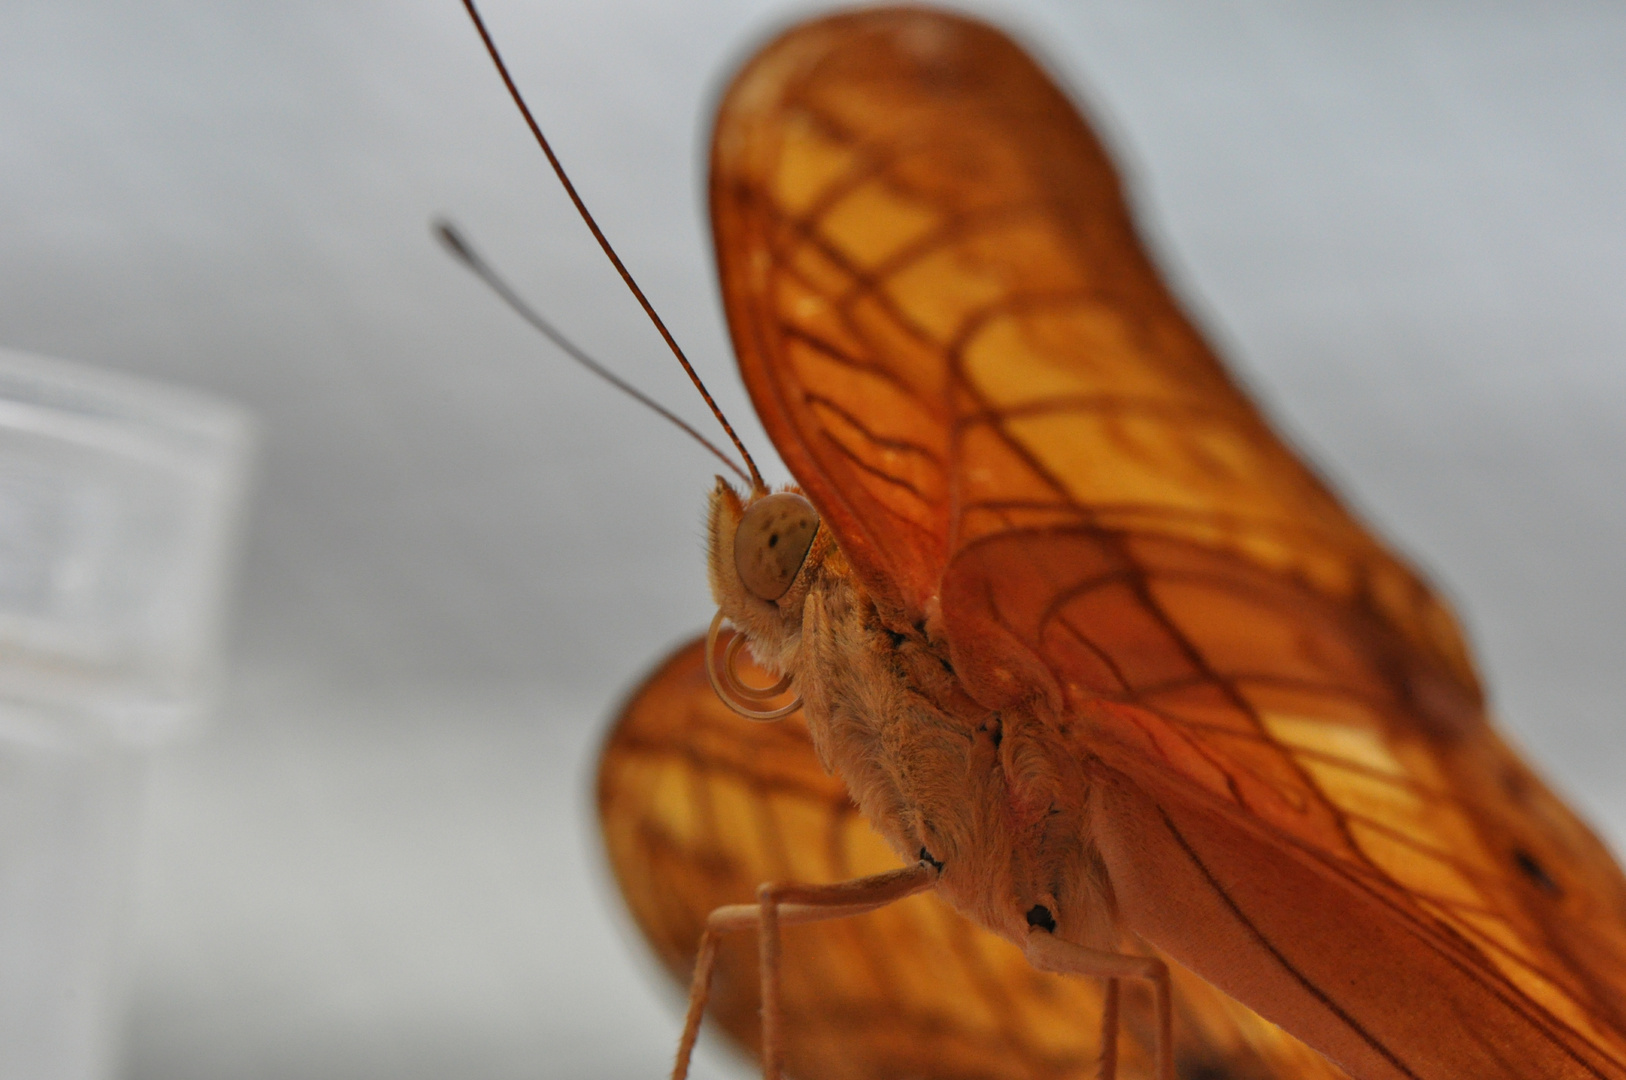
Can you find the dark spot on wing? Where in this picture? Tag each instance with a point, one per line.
(1205, 1070)
(1531, 867)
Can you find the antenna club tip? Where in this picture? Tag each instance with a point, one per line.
(451, 239)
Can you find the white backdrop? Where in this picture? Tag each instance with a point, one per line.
(1405, 223)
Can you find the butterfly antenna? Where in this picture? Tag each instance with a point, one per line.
(615, 260)
(465, 253)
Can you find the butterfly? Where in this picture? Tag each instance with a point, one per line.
(1094, 675)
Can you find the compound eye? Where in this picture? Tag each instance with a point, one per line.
(772, 542)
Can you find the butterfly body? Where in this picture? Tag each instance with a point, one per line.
(1079, 630)
(996, 800)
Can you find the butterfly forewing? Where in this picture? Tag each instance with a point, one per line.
(698, 808)
(938, 296)
(952, 332)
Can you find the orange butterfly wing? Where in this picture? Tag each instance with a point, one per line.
(698, 807)
(951, 331)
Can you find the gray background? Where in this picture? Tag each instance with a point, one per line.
(1406, 223)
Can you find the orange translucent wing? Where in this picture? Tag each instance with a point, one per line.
(947, 322)
(699, 807)
(1310, 822)
(953, 335)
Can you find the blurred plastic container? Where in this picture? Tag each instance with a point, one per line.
(119, 503)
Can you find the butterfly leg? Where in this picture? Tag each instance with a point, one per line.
(785, 905)
(1047, 952)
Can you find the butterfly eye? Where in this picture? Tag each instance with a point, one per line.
(772, 542)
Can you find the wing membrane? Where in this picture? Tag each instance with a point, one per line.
(953, 334)
(940, 302)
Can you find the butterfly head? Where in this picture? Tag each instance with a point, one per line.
(764, 552)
